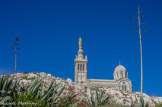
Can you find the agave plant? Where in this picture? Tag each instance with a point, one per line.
(34, 86)
(142, 102)
(7, 88)
(50, 95)
(98, 99)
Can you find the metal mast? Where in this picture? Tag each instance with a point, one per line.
(139, 25)
(16, 43)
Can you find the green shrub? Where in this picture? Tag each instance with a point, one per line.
(159, 105)
(28, 100)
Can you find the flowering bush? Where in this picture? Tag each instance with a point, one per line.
(68, 101)
(81, 104)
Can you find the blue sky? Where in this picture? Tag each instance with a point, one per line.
(49, 32)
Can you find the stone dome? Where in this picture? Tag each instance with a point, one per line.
(120, 72)
(120, 68)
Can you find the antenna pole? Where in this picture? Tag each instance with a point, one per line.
(16, 43)
(139, 24)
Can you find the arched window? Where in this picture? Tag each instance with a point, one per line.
(121, 73)
(126, 75)
(117, 74)
(83, 67)
(124, 87)
(80, 67)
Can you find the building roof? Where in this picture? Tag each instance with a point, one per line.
(101, 80)
(120, 68)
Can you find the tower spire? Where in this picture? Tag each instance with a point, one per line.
(80, 65)
(119, 62)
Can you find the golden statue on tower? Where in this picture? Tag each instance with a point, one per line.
(80, 43)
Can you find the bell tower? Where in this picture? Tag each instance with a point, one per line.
(81, 64)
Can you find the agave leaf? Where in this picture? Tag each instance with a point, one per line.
(55, 90)
(142, 104)
(47, 94)
(102, 92)
(101, 96)
(103, 100)
(7, 98)
(50, 86)
(9, 92)
(30, 87)
(15, 85)
(96, 97)
(92, 99)
(61, 90)
(59, 93)
(89, 100)
(153, 101)
(4, 85)
(56, 94)
(42, 91)
(3, 93)
(38, 95)
(36, 88)
(71, 97)
(49, 99)
(33, 85)
(1, 82)
(9, 83)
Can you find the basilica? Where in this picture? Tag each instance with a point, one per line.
(120, 81)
